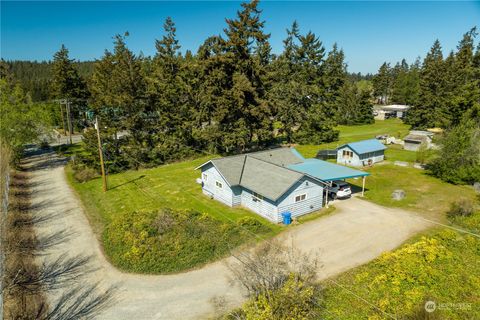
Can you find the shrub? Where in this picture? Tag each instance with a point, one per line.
(461, 208)
(84, 174)
(250, 223)
(280, 280)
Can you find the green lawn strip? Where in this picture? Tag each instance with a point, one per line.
(424, 193)
(439, 265)
(317, 214)
(395, 152)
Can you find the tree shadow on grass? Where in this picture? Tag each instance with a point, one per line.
(127, 182)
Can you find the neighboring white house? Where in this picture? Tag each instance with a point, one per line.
(416, 139)
(393, 110)
(361, 153)
(272, 182)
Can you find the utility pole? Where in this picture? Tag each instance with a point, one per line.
(100, 152)
(63, 119)
(69, 121)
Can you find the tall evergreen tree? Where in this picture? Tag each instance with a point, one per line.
(432, 108)
(464, 79)
(382, 84)
(118, 95)
(241, 113)
(67, 84)
(169, 101)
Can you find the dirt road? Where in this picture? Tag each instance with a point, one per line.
(358, 232)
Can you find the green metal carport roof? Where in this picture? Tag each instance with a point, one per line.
(326, 171)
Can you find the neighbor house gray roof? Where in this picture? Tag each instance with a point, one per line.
(263, 172)
(416, 138)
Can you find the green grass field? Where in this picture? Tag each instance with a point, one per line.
(393, 127)
(171, 185)
(424, 193)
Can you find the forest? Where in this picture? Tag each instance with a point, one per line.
(234, 95)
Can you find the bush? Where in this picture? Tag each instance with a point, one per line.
(250, 223)
(84, 174)
(461, 208)
(280, 280)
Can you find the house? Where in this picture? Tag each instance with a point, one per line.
(272, 182)
(361, 153)
(391, 111)
(416, 138)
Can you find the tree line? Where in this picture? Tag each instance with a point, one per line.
(441, 90)
(231, 96)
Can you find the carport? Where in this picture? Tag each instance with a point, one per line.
(328, 172)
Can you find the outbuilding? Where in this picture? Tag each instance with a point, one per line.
(416, 139)
(361, 153)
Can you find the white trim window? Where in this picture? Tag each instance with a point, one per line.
(257, 197)
(219, 184)
(301, 197)
(347, 154)
(205, 177)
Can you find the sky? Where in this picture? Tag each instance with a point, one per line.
(369, 32)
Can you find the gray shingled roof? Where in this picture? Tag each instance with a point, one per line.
(416, 138)
(280, 156)
(263, 172)
(267, 179)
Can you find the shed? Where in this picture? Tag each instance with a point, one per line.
(361, 153)
(416, 139)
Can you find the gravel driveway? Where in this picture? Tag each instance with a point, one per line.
(355, 234)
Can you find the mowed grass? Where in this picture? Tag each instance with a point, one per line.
(167, 186)
(424, 193)
(392, 127)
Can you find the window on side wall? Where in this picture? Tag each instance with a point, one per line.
(219, 184)
(257, 197)
(205, 177)
(300, 197)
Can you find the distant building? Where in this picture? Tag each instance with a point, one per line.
(361, 153)
(416, 139)
(391, 111)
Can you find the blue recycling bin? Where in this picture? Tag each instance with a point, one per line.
(287, 217)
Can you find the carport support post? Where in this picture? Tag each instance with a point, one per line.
(363, 185)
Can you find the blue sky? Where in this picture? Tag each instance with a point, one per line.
(369, 32)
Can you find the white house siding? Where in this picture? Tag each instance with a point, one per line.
(237, 196)
(313, 201)
(353, 161)
(375, 156)
(210, 188)
(265, 207)
(359, 160)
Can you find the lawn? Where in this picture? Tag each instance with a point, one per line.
(424, 193)
(143, 194)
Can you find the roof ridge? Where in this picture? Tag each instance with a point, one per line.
(243, 168)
